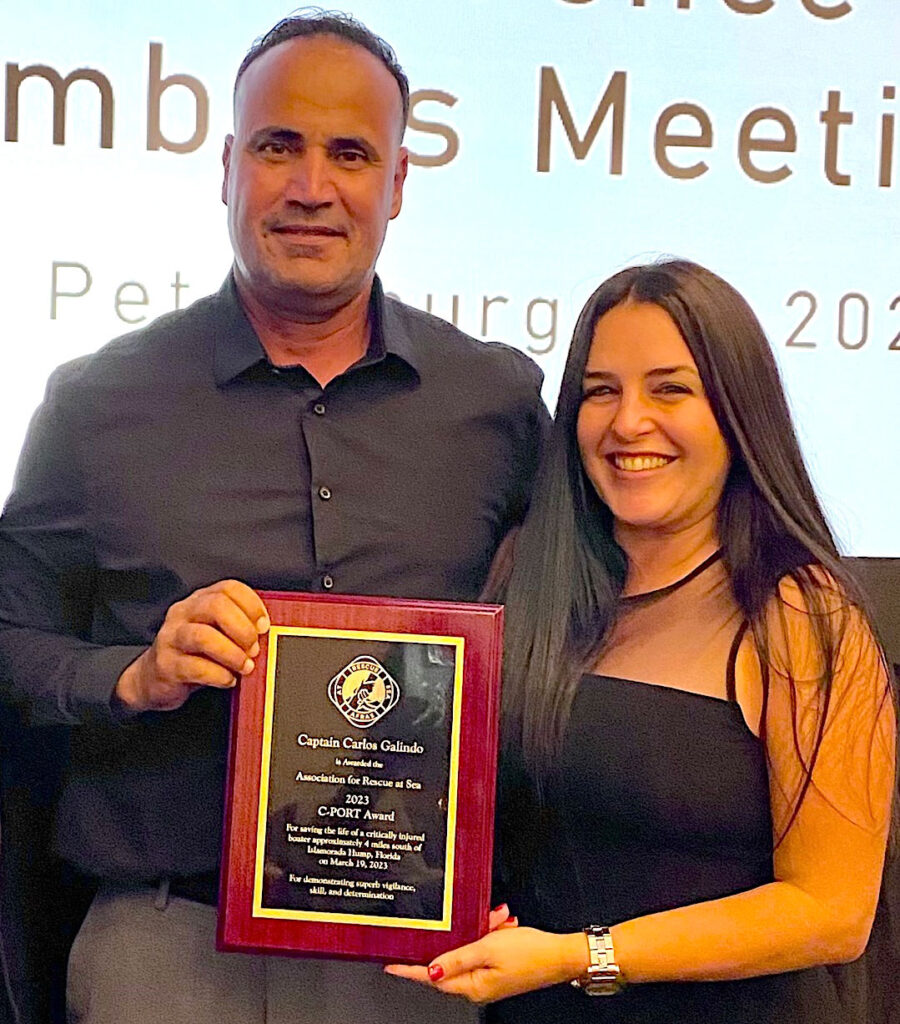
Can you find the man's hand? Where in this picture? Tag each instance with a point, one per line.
(208, 639)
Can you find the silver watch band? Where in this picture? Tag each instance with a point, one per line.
(603, 977)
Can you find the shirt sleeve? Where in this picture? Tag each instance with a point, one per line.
(49, 665)
(533, 428)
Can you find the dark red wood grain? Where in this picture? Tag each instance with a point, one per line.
(481, 626)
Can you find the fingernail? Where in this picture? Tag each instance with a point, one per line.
(262, 624)
(497, 910)
(247, 667)
(512, 920)
(435, 972)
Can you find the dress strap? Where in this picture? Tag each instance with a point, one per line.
(655, 595)
(730, 687)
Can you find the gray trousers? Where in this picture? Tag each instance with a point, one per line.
(144, 958)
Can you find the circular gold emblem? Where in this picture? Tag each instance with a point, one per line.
(363, 692)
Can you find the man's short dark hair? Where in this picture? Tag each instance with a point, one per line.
(314, 21)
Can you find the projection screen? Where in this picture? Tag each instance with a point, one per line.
(552, 142)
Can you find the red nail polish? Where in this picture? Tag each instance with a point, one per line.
(435, 972)
(512, 920)
(497, 910)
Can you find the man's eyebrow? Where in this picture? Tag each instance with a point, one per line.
(353, 142)
(273, 133)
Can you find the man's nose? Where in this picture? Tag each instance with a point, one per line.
(310, 183)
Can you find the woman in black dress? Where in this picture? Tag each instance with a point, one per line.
(698, 753)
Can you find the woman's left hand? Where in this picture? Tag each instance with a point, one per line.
(504, 963)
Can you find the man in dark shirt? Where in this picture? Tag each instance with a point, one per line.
(296, 431)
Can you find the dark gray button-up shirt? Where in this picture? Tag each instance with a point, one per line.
(177, 456)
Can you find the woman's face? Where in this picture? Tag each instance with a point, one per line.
(649, 442)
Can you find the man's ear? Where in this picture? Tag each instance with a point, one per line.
(226, 164)
(399, 178)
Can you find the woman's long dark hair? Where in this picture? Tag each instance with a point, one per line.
(568, 572)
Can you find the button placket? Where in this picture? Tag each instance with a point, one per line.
(317, 439)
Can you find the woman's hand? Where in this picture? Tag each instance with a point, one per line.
(506, 962)
(500, 917)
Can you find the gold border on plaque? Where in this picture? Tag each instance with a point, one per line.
(426, 924)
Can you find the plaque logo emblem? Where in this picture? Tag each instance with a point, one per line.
(363, 692)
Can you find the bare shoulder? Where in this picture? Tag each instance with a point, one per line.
(815, 628)
(830, 711)
(811, 591)
(815, 651)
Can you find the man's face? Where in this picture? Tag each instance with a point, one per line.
(313, 173)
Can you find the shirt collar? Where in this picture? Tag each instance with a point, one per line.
(387, 326)
(237, 346)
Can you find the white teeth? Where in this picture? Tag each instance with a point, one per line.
(634, 463)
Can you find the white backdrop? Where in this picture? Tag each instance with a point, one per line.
(510, 198)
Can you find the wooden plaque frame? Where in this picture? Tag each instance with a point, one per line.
(247, 921)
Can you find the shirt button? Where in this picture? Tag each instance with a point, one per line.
(324, 493)
(327, 581)
(319, 408)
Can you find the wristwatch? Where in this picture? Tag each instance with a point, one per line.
(604, 977)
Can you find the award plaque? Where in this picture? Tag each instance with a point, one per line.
(360, 804)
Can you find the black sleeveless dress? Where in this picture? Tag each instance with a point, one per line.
(659, 799)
